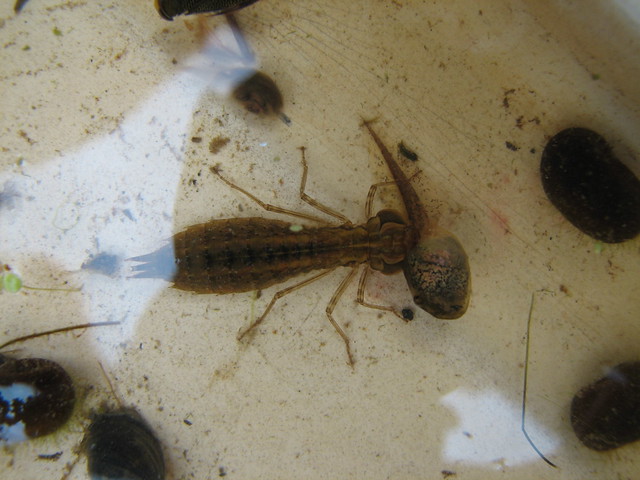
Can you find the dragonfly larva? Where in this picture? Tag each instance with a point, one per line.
(243, 254)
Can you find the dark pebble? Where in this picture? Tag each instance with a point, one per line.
(606, 413)
(585, 181)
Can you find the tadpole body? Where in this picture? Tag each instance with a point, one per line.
(606, 413)
(172, 8)
(121, 445)
(259, 94)
(590, 186)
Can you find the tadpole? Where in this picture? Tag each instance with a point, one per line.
(590, 186)
(606, 413)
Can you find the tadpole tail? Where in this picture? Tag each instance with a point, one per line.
(413, 205)
(17, 8)
(159, 264)
(243, 45)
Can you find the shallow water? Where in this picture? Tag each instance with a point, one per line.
(102, 108)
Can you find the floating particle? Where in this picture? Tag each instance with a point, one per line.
(407, 314)
(216, 144)
(54, 457)
(10, 282)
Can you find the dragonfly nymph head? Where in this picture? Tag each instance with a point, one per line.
(435, 264)
(387, 230)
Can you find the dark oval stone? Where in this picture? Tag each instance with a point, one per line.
(257, 92)
(606, 413)
(596, 192)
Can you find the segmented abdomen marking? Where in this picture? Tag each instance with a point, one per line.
(244, 254)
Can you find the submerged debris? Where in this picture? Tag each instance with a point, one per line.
(216, 144)
(407, 314)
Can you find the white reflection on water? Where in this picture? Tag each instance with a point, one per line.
(105, 197)
(489, 432)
